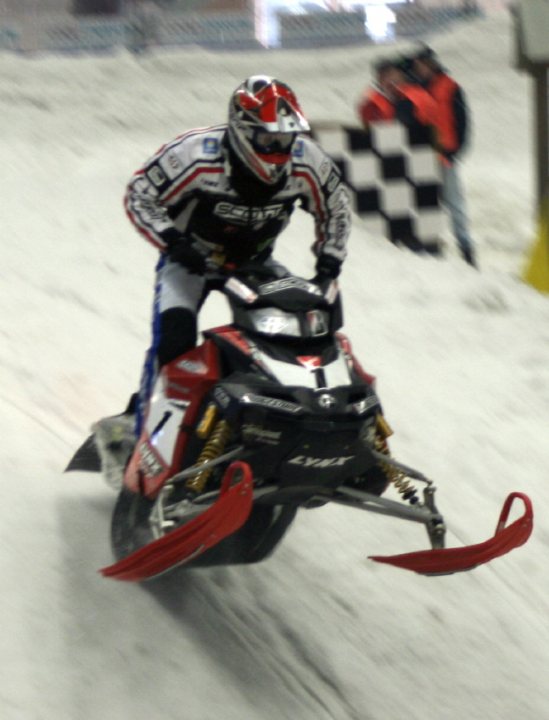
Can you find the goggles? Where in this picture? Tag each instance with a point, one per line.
(270, 143)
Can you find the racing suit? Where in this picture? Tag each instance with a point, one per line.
(195, 194)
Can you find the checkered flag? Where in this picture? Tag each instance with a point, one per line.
(395, 177)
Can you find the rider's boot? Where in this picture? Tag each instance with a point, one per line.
(115, 440)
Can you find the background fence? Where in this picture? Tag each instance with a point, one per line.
(24, 29)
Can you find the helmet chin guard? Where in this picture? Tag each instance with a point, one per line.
(264, 121)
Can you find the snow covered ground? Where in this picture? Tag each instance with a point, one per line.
(317, 632)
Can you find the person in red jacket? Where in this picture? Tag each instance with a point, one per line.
(452, 135)
(393, 97)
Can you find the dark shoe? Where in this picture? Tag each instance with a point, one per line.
(432, 248)
(469, 257)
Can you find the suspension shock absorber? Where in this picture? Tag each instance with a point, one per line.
(214, 447)
(399, 479)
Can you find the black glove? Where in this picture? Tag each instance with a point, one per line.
(185, 253)
(327, 268)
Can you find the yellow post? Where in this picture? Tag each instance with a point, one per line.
(536, 272)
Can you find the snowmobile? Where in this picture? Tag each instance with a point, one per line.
(270, 414)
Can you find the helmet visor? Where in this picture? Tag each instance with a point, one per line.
(270, 143)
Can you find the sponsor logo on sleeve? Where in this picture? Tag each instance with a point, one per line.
(332, 181)
(298, 149)
(171, 165)
(210, 146)
(324, 170)
(157, 176)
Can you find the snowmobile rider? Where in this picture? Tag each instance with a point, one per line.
(217, 197)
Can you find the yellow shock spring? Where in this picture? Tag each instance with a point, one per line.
(211, 450)
(399, 479)
(404, 486)
(205, 426)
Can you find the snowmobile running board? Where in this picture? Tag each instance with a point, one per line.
(233, 504)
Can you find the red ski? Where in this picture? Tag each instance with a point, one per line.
(445, 561)
(223, 518)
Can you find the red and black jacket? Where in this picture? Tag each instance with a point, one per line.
(190, 189)
(413, 105)
(453, 125)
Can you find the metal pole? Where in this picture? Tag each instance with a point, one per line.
(542, 132)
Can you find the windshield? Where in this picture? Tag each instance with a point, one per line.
(289, 307)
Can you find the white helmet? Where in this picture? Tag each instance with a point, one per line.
(264, 121)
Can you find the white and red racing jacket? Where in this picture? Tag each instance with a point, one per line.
(190, 189)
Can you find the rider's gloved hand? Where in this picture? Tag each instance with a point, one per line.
(187, 254)
(327, 269)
